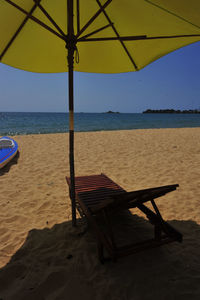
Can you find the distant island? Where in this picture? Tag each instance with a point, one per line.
(171, 111)
(112, 112)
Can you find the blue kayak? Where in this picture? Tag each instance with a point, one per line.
(8, 149)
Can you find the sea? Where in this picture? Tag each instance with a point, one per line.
(23, 123)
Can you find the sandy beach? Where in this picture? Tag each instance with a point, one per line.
(42, 257)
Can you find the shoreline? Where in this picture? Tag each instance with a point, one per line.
(75, 132)
(44, 123)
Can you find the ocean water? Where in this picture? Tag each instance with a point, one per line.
(34, 123)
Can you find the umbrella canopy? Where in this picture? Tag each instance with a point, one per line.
(158, 26)
(109, 36)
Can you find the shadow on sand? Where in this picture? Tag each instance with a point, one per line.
(61, 263)
(7, 167)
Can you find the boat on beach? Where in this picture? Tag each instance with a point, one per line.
(8, 149)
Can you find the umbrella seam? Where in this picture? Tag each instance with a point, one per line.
(36, 20)
(117, 34)
(18, 31)
(50, 18)
(171, 13)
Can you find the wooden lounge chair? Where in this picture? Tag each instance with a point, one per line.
(97, 196)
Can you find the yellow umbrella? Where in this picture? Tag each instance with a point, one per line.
(109, 36)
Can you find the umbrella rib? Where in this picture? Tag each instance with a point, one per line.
(117, 34)
(171, 36)
(50, 18)
(78, 15)
(115, 38)
(136, 38)
(93, 32)
(93, 17)
(17, 31)
(36, 20)
(171, 13)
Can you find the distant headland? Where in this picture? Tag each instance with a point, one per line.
(112, 112)
(171, 111)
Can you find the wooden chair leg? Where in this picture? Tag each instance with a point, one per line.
(162, 222)
(101, 255)
(157, 232)
(100, 252)
(109, 227)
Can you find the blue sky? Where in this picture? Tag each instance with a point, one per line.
(171, 82)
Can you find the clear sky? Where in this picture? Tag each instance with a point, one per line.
(171, 82)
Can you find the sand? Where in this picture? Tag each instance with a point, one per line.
(43, 257)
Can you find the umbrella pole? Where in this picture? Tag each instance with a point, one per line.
(71, 46)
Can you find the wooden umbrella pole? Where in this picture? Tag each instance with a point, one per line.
(71, 46)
